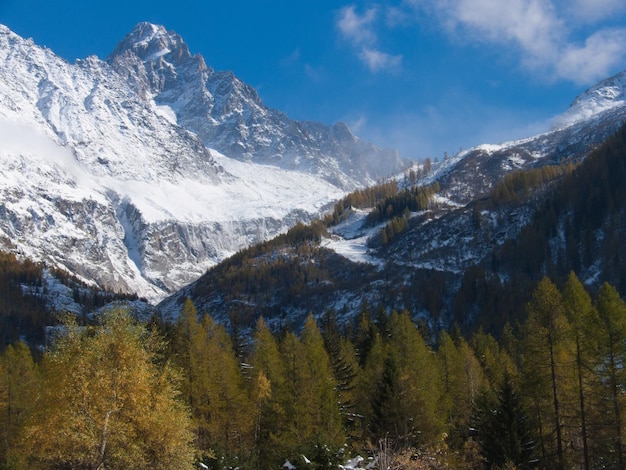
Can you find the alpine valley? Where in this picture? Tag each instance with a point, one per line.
(152, 174)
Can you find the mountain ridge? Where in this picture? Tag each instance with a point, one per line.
(101, 180)
(447, 263)
(229, 115)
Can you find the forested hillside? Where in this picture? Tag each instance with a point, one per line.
(376, 392)
(472, 266)
(578, 226)
(32, 295)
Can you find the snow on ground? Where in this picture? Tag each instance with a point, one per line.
(349, 239)
(249, 191)
(355, 250)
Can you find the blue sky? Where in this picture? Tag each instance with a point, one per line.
(423, 76)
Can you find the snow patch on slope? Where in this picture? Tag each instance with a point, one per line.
(606, 95)
(350, 239)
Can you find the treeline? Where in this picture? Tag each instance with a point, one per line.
(23, 309)
(518, 185)
(361, 199)
(548, 394)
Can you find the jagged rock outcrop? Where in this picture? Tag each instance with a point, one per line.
(228, 115)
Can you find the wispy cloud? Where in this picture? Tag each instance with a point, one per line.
(547, 35)
(593, 10)
(357, 28)
(586, 63)
(291, 59)
(360, 31)
(377, 60)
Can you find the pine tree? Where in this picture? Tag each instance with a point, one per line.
(345, 367)
(268, 395)
(409, 387)
(320, 395)
(297, 428)
(495, 361)
(463, 380)
(504, 429)
(585, 322)
(223, 407)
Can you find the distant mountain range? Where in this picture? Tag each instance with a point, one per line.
(140, 172)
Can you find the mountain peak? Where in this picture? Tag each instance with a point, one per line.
(150, 42)
(607, 94)
(145, 31)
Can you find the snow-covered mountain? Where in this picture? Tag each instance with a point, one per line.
(463, 250)
(593, 116)
(228, 115)
(109, 168)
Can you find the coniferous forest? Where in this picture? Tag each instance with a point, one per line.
(121, 394)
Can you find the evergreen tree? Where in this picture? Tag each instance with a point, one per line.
(409, 387)
(368, 382)
(345, 367)
(386, 417)
(224, 409)
(585, 323)
(321, 396)
(503, 428)
(547, 368)
(269, 394)
(495, 361)
(462, 379)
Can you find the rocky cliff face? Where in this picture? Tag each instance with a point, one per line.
(109, 168)
(229, 116)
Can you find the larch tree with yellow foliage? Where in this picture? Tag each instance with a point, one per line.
(107, 402)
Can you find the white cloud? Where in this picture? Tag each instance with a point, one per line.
(377, 61)
(357, 28)
(360, 31)
(601, 52)
(545, 35)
